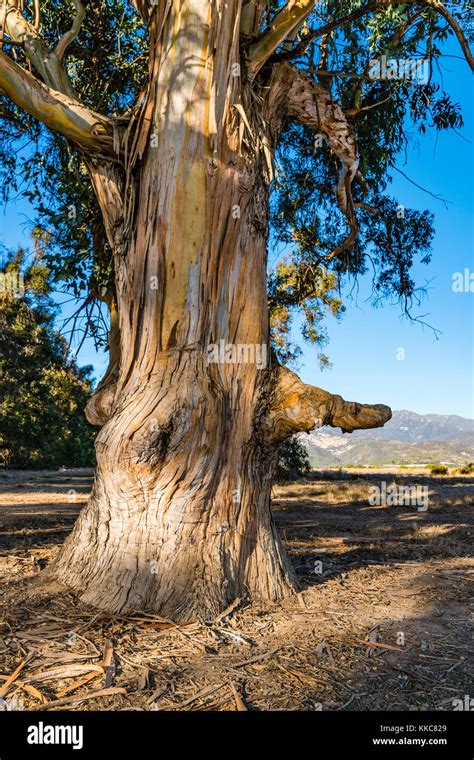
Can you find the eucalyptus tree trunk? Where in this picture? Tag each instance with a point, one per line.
(193, 408)
(179, 521)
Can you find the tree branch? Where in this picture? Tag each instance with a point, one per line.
(371, 7)
(46, 62)
(88, 129)
(71, 35)
(392, 43)
(291, 15)
(311, 104)
(322, 31)
(297, 407)
(37, 12)
(438, 6)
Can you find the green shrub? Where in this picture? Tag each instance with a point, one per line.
(438, 469)
(466, 469)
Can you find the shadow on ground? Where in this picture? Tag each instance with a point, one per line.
(381, 622)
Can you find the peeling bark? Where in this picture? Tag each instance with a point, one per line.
(311, 104)
(179, 521)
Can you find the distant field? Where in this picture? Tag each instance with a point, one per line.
(381, 622)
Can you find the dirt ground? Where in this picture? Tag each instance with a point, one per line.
(381, 623)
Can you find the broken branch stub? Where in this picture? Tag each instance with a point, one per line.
(298, 407)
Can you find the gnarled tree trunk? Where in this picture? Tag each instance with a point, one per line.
(179, 520)
(192, 409)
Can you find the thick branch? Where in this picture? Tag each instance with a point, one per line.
(71, 35)
(311, 104)
(37, 12)
(88, 129)
(291, 16)
(248, 18)
(298, 407)
(46, 63)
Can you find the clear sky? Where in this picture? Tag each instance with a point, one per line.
(436, 376)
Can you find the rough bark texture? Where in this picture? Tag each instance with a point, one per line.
(179, 521)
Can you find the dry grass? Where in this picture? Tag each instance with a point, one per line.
(381, 622)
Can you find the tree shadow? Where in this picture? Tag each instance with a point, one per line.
(326, 540)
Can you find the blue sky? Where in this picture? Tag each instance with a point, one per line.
(435, 376)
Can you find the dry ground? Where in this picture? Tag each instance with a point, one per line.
(382, 622)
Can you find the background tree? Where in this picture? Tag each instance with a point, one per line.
(43, 392)
(293, 460)
(197, 124)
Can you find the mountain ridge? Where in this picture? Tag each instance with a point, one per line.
(408, 438)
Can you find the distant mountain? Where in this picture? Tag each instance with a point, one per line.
(408, 438)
